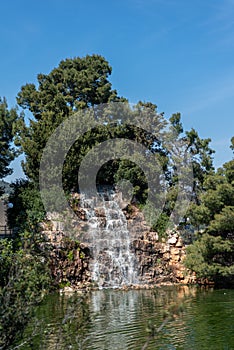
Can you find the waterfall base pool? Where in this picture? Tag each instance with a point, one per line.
(121, 320)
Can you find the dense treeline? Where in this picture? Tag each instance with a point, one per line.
(77, 84)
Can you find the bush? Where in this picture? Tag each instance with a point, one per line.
(212, 258)
(24, 280)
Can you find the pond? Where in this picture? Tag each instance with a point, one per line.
(121, 320)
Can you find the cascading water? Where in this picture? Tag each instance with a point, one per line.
(114, 265)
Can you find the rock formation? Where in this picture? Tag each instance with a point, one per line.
(156, 261)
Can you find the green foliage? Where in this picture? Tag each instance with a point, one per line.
(75, 84)
(64, 284)
(70, 255)
(82, 255)
(162, 225)
(128, 171)
(24, 280)
(8, 118)
(211, 256)
(83, 82)
(223, 222)
(6, 249)
(232, 143)
(24, 264)
(201, 154)
(28, 211)
(159, 221)
(216, 203)
(5, 189)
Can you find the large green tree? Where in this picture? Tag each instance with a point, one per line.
(75, 84)
(211, 255)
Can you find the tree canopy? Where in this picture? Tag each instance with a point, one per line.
(211, 256)
(75, 84)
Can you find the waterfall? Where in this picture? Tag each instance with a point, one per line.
(113, 264)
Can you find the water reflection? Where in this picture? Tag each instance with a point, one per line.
(115, 319)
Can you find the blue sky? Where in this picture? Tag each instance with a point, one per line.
(178, 54)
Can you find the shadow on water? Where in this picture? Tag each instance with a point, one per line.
(117, 319)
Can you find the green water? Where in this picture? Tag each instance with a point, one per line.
(116, 320)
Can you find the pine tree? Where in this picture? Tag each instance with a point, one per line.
(211, 256)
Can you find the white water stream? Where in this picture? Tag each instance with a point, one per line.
(113, 264)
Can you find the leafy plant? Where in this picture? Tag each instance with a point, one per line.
(70, 255)
(25, 279)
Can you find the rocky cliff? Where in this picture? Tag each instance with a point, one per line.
(155, 261)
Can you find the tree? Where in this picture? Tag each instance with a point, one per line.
(8, 119)
(125, 169)
(214, 249)
(201, 154)
(27, 212)
(75, 84)
(79, 83)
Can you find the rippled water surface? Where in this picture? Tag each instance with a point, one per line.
(116, 320)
